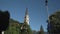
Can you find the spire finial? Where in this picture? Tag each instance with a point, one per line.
(26, 11)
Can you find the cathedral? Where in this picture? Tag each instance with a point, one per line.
(26, 20)
(16, 27)
(25, 25)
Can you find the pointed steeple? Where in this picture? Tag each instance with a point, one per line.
(26, 11)
(41, 30)
(26, 19)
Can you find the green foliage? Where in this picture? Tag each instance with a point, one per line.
(26, 31)
(15, 28)
(54, 23)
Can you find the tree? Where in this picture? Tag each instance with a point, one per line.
(41, 30)
(25, 29)
(54, 23)
(14, 27)
(4, 20)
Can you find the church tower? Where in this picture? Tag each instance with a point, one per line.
(26, 18)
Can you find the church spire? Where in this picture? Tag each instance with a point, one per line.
(41, 30)
(26, 11)
(26, 20)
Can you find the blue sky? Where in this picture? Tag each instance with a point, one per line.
(36, 8)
